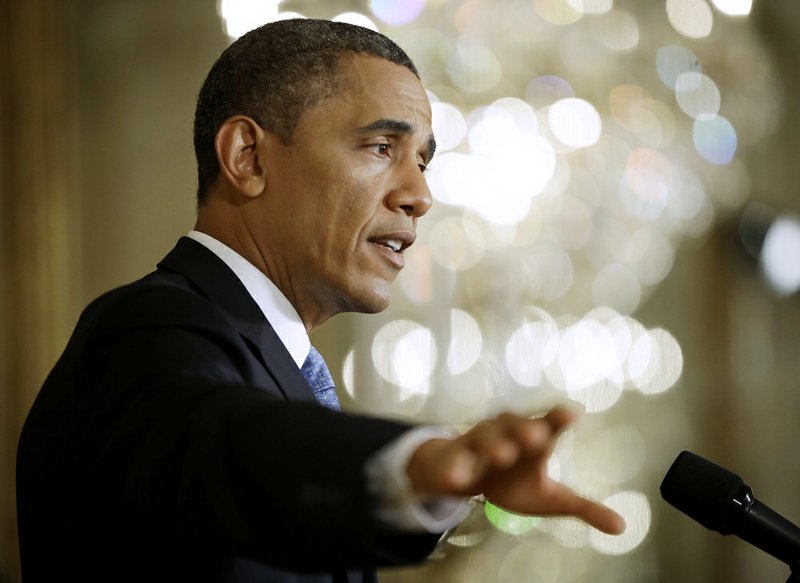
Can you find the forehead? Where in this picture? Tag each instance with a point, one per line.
(365, 76)
(371, 88)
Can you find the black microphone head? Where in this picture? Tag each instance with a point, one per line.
(704, 491)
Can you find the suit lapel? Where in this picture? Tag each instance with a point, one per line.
(220, 285)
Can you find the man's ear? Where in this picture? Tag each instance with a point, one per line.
(236, 143)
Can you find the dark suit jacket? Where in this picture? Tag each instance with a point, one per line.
(176, 440)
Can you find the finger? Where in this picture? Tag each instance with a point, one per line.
(559, 418)
(592, 513)
(451, 467)
(536, 436)
(493, 443)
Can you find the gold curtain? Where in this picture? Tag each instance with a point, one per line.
(36, 224)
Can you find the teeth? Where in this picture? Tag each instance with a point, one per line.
(393, 244)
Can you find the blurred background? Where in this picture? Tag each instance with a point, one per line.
(617, 223)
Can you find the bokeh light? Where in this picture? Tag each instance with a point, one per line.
(558, 11)
(532, 347)
(734, 7)
(691, 18)
(404, 353)
(645, 190)
(618, 30)
(689, 205)
(474, 68)
(509, 163)
(568, 532)
(449, 126)
(621, 450)
(587, 354)
(780, 255)
(416, 279)
(397, 12)
(651, 256)
(592, 6)
(516, 110)
(550, 272)
(451, 247)
(650, 120)
(593, 358)
(672, 61)
(466, 180)
(241, 16)
(356, 18)
(714, 139)
(548, 89)
(466, 342)
(489, 134)
(697, 95)
(508, 522)
(617, 287)
(348, 373)
(655, 362)
(575, 122)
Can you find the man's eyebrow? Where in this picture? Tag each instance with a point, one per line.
(396, 126)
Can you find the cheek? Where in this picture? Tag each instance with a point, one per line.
(344, 197)
(352, 207)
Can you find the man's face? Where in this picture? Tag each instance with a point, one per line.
(345, 195)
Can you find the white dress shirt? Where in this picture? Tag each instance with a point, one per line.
(386, 476)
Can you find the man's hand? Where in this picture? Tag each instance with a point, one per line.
(505, 459)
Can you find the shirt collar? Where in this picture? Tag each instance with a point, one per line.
(278, 311)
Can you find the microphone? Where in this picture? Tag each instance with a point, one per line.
(719, 500)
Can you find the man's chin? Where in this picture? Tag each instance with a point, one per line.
(374, 301)
(367, 296)
(372, 307)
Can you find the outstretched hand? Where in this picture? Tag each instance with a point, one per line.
(505, 459)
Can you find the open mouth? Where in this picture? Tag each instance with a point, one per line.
(394, 244)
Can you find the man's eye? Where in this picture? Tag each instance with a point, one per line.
(380, 149)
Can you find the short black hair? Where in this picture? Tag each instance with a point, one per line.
(273, 74)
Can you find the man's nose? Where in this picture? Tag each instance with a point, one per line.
(412, 194)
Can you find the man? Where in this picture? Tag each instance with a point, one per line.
(178, 438)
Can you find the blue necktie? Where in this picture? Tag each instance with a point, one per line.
(319, 379)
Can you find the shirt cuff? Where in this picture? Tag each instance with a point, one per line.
(398, 506)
